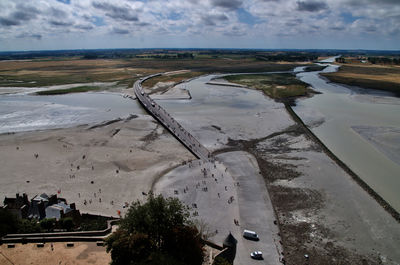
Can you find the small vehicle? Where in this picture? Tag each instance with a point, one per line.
(141, 92)
(152, 103)
(256, 255)
(250, 235)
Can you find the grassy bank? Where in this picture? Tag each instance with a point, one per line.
(170, 78)
(386, 78)
(78, 89)
(276, 86)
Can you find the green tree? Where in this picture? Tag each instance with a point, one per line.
(26, 226)
(156, 232)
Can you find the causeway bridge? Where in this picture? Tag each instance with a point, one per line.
(169, 122)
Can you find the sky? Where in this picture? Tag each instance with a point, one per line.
(258, 24)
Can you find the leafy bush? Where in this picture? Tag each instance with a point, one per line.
(67, 223)
(48, 223)
(157, 232)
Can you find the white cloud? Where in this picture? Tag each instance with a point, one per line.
(44, 20)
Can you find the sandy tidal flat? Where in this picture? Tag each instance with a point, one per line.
(99, 167)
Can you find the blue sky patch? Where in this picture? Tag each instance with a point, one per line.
(174, 16)
(98, 21)
(348, 17)
(246, 17)
(65, 1)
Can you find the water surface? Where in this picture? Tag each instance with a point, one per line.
(361, 127)
(29, 112)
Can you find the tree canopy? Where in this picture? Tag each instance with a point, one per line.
(156, 232)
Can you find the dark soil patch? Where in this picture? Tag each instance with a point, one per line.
(276, 171)
(290, 199)
(151, 136)
(315, 242)
(216, 127)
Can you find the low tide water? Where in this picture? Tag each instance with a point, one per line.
(29, 112)
(361, 127)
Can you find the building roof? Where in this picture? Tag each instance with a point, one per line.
(54, 211)
(41, 197)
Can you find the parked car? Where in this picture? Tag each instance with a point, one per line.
(256, 255)
(248, 234)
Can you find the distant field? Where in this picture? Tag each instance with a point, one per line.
(78, 89)
(57, 72)
(277, 86)
(379, 77)
(48, 71)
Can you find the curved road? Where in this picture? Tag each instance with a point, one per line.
(170, 123)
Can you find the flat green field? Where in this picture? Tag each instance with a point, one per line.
(276, 86)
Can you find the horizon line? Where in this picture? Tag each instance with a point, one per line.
(193, 48)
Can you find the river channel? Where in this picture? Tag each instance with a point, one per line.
(361, 127)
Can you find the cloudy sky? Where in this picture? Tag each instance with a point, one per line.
(87, 24)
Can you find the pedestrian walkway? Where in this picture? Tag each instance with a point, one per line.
(169, 122)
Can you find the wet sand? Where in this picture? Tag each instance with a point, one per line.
(99, 167)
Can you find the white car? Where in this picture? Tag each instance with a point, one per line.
(248, 234)
(256, 255)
